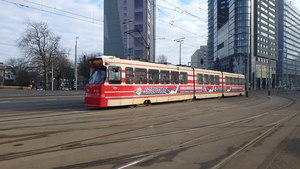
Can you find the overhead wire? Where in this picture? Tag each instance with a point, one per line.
(76, 18)
(62, 10)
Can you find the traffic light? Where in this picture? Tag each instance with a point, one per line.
(201, 61)
(217, 60)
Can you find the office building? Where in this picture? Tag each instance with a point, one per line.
(129, 29)
(251, 36)
(288, 63)
(198, 59)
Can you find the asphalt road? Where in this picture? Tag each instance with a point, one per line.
(38, 100)
(258, 131)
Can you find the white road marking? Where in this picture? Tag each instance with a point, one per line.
(50, 99)
(42, 104)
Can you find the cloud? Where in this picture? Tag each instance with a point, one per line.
(65, 18)
(70, 19)
(177, 20)
(84, 19)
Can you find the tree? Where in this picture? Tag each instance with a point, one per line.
(23, 71)
(162, 59)
(62, 67)
(39, 44)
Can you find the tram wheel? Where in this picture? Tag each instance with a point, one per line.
(147, 103)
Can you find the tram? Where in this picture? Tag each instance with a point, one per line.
(120, 82)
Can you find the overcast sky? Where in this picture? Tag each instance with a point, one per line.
(84, 19)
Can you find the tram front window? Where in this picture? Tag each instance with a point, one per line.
(98, 77)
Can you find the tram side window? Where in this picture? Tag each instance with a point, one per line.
(242, 81)
(200, 78)
(227, 80)
(183, 78)
(217, 79)
(129, 75)
(153, 76)
(164, 77)
(114, 75)
(174, 77)
(140, 76)
(206, 79)
(212, 79)
(234, 81)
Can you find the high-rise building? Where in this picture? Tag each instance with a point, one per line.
(198, 59)
(288, 63)
(255, 38)
(129, 29)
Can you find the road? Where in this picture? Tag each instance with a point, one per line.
(38, 100)
(258, 131)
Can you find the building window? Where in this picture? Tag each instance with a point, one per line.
(139, 27)
(138, 16)
(138, 3)
(138, 41)
(138, 53)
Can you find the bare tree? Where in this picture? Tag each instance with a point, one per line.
(23, 71)
(62, 66)
(39, 44)
(162, 59)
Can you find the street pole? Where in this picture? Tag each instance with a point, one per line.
(248, 64)
(269, 66)
(127, 37)
(75, 70)
(52, 73)
(179, 40)
(180, 52)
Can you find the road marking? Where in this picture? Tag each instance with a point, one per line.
(5, 102)
(50, 99)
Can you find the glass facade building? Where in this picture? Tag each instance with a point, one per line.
(129, 29)
(288, 64)
(256, 38)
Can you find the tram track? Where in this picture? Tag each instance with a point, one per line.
(79, 144)
(272, 127)
(39, 135)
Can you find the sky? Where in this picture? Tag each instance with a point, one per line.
(84, 19)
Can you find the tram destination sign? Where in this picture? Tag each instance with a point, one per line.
(95, 62)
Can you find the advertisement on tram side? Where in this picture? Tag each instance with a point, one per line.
(180, 89)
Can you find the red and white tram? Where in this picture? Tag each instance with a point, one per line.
(120, 82)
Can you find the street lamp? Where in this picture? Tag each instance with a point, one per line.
(75, 70)
(127, 37)
(179, 40)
